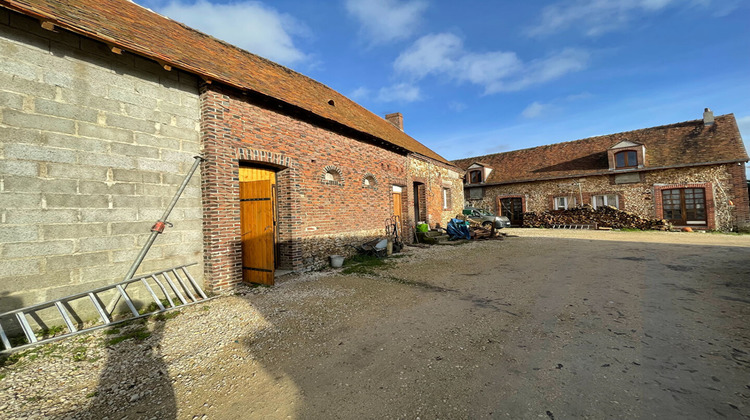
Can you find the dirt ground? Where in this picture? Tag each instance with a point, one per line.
(547, 325)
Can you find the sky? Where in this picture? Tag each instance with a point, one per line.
(478, 77)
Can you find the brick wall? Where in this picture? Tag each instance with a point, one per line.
(316, 217)
(92, 147)
(719, 180)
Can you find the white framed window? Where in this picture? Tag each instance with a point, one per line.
(564, 203)
(605, 200)
(446, 198)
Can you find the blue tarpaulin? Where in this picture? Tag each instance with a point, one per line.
(457, 229)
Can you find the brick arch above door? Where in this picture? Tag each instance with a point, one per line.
(221, 209)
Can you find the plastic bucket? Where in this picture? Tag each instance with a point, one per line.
(337, 261)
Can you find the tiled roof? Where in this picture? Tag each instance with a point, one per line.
(683, 144)
(131, 27)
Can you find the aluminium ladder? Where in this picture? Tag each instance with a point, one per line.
(170, 293)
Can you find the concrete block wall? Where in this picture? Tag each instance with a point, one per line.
(93, 145)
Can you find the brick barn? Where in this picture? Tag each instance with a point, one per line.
(691, 173)
(103, 105)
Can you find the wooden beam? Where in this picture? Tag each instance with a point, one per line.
(48, 25)
(165, 66)
(115, 50)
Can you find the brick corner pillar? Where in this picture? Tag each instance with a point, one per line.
(219, 192)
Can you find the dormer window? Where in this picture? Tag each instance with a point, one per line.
(475, 177)
(626, 155)
(626, 159)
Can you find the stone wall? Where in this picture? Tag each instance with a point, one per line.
(436, 176)
(637, 197)
(316, 217)
(93, 145)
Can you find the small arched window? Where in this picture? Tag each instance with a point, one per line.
(626, 159)
(332, 176)
(369, 181)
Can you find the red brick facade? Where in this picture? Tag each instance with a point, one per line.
(237, 130)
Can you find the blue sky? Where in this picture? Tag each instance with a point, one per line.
(478, 77)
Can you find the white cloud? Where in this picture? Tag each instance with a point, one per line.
(247, 24)
(497, 71)
(430, 54)
(386, 21)
(360, 93)
(402, 92)
(534, 110)
(596, 17)
(457, 106)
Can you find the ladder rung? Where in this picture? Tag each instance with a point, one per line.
(150, 290)
(174, 288)
(98, 306)
(65, 317)
(194, 283)
(127, 300)
(184, 287)
(26, 327)
(163, 290)
(4, 337)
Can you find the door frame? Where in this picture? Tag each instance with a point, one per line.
(499, 199)
(274, 213)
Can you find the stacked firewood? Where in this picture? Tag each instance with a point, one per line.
(586, 215)
(478, 232)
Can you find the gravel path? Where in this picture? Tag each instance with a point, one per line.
(550, 324)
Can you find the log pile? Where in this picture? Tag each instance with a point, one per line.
(478, 232)
(586, 215)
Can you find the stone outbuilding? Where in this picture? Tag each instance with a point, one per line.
(104, 103)
(691, 173)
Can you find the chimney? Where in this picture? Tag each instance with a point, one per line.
(708, 117)
(398, 120)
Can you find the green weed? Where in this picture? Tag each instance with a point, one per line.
(112, 331)
(166, 315)
(363, 264)
(51, 331)
(79, 354)
(139, 334)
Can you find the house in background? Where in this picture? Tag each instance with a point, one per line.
(691, 173)
(104, 103)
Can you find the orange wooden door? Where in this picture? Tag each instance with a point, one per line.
(257, 225)
(397, 211)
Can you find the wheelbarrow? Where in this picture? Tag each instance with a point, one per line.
(376, 248)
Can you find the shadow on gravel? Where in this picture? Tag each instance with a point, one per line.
(132, 385)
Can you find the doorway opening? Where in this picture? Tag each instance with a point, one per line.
(258, 224)
(512, 208)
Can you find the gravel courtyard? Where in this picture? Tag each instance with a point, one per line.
(546, 325)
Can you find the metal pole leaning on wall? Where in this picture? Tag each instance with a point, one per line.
(158, 227)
